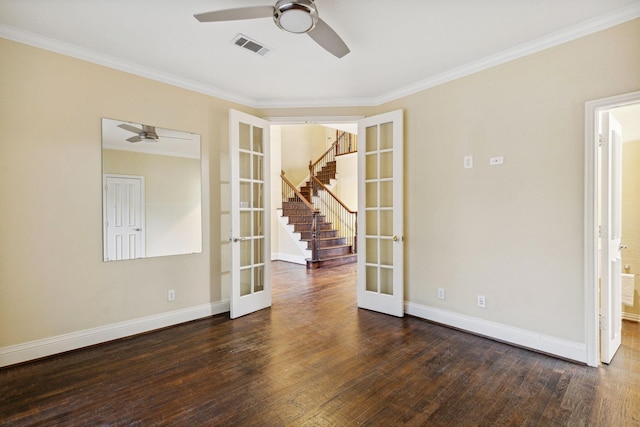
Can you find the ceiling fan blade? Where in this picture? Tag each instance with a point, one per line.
(129, 128)
(134, 139)
(236, 14)
(324, 35)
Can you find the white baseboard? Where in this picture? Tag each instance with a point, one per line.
(544, 343)
(631, 316)
(278, 256)
(72, 341)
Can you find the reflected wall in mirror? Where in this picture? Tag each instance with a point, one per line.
(151, 191)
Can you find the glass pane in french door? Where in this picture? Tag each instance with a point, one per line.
(379, 208)
(251, 183)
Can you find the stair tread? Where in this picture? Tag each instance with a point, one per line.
(337, 257)
(326, 238)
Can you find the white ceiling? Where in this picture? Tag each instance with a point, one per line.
(397, 47)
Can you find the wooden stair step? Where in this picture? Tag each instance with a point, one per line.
(332, 262)
(333, 251)
(306, 235)
(303, 219)
(295, 212)
(306, 226)
(328, 242)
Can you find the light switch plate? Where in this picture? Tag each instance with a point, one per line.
(468, 162)
(496, 160)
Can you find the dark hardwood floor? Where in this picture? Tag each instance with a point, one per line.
(314, 359)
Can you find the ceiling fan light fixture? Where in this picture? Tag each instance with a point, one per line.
(296, 16)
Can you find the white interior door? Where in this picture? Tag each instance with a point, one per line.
(124, 234)
(611, 226)
(380, 213)
(250, 215)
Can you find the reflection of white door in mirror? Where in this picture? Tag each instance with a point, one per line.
(170, 162)
(123, 217)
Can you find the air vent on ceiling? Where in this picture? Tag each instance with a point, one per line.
(252, 45)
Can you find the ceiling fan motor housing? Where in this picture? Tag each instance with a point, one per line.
(296, 16)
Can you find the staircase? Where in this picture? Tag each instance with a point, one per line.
(324, 222)
(332, 249)
(325, 175)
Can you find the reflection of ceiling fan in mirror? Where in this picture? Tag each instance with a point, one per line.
(147, 133)
(294, 16)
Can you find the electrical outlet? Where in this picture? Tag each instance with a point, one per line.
(440, 293)
(171, 295)
(481, 301)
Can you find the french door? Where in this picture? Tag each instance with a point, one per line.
(250, 216)
(380, 213)
(611, 234)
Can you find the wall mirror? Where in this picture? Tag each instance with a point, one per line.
(151, 191)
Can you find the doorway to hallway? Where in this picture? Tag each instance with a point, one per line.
(610, 268)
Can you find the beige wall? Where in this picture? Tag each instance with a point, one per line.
(52, 277)
(513, 232)
(347, 180)
(301, 144)
(631, 217)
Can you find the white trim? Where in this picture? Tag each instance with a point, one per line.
(280, 256)
(591, 301)
(582, 29)
(75, 340)
(631, 316)
(520, 337)
(312, 120)
(74, 51)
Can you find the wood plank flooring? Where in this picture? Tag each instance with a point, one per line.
(314, 359)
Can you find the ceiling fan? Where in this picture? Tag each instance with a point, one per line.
(294, 16)
(147, 133)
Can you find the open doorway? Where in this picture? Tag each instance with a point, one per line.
(327, 150)
(612, 135)
(629, 119)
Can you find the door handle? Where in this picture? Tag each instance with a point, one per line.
(137, 229)
(238, 239)
(396, 238)
(623, 247)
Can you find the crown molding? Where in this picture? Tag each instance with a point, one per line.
(74, 51)
(315, 103)
(622, 15)
(582, 29)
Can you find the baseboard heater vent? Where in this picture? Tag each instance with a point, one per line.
(251, 45)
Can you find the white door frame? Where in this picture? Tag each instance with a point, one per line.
(591, 192)
(275, 173)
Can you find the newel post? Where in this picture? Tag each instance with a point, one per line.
(314, 237)
(355, 237)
